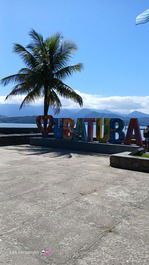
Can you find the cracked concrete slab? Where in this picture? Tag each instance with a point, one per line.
(72, 204)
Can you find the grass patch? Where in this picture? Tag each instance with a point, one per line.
(145, 155)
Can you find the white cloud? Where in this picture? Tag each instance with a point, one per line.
(121, 104)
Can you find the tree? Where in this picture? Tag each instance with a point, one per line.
(46, 66)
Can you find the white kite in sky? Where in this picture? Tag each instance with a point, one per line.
(143, 17)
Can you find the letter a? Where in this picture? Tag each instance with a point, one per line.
(136, 137)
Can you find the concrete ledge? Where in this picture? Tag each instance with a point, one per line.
(8, 130)
(16, 139)
(127, 161)
(82, 146)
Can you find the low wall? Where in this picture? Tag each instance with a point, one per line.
(16, 139)
(82, 146)
(127, 161)
(8, 130)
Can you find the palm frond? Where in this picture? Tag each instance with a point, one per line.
(68, 46)
(21, 88)
(31, 97)
(53, 43)
(37, 38)
(54, 101)
(26, 56)
(13, 78)
(38, 46)
(68, 71)
(63, 55)
(67, 92)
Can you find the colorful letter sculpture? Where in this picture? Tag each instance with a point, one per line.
(136, 137)
(80, 131)
(49, 120)
(112, 131)
(116, 130)
(68, 125)
(106, 134)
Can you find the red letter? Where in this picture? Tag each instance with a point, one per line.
(136, 137)
(68, 124)
(90, 127)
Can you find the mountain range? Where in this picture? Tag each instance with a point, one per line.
(10, 113)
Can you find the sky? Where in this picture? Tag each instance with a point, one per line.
(113, 50)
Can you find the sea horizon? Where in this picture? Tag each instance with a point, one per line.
(18, 125)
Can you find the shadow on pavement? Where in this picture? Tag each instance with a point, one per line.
(39, 150)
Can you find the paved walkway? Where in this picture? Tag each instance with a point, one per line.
(74, 206)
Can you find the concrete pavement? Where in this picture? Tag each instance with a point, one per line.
(72, 205)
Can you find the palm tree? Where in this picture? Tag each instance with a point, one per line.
(46, 66)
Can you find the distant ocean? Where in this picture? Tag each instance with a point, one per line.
(18, 125)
